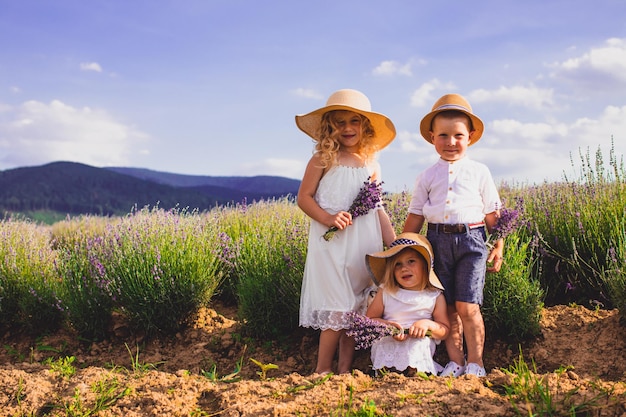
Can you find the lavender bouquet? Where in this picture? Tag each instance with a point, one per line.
(366, 331)
(367, 199)
(507, 223)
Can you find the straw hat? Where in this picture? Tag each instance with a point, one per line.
(376, 261)
(351, 100)
(451, 102)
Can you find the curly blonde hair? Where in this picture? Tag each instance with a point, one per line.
(328, 144)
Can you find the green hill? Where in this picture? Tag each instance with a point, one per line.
(74, 188)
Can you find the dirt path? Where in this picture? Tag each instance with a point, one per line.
(580, 357)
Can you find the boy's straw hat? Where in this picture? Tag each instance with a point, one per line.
(451, 102)
(376, 261)
(351, 100)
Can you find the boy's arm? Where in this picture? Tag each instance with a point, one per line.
(496, 254)
(413, 223)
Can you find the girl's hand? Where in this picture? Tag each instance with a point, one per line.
(419, 328)
(341, 220)
(399, 337)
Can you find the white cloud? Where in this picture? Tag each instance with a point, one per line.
(611, 123)
(530, 97)
(407, 141)
(307, 93)
(290, 168)
(392, 68)
(423, 97)
(90, 66)
(508, 132)
(607, 60)
(36, 133)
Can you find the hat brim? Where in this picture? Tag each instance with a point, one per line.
(384, 128)
(376, 262)
(427, 123)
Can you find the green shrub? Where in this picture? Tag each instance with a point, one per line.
(513, 299)
(86, 288)
(28, 281)
(270, 242)
(578, 229)
(163, 267)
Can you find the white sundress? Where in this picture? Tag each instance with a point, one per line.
(336, 279)
(406, 307)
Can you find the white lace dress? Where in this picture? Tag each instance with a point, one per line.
(336, 279)
(406, 307)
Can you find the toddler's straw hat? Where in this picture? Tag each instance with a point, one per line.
(351, 100)
(376, 261)
(452, 102)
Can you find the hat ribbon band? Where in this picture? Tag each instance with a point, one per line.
(403, 241)
(452, 107)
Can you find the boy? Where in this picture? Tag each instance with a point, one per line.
(457, 197)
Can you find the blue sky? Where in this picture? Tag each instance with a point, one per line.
(209, 87)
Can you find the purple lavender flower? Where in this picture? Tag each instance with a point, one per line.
(507, 223)
(367, 199)
(366, 331)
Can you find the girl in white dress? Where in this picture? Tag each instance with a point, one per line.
(347, 136)
(411, 299)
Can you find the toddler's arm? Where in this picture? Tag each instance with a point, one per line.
(439, 326)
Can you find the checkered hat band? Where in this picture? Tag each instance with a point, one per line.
(403, 241)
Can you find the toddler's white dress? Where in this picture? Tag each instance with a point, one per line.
(336, 279)
(406, 307)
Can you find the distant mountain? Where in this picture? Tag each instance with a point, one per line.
(74, 188)
(269, 186)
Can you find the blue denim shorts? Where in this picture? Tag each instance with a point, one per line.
(461, 264)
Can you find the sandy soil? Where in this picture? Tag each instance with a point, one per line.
(580, 357)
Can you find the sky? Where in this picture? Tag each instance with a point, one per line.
(211, 87)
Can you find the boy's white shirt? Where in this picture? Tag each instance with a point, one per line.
(455, 192)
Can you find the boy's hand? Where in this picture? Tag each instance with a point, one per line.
(496, 257)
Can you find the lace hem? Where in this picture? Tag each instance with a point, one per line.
(324, 320)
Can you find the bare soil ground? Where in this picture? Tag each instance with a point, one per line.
(580, 358)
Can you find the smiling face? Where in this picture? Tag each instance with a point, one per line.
(410, 270)
(348, 129)
(451, 136)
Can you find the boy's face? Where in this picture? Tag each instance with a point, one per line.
(451, 136)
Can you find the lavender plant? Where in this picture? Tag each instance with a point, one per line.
(269, 239)
(28, 282)
(576, 226)
(163, 267)
(513, 299)
(397, 206)
(86, 289)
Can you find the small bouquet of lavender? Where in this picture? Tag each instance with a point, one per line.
(366, 331)
(367, 199)
(508, 221)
